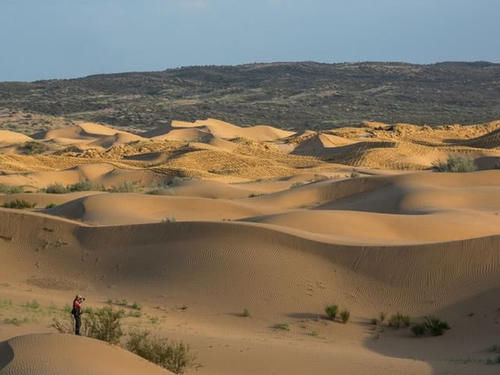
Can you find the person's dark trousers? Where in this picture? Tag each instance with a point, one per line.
(78, 324)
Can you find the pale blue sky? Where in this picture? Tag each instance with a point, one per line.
(42, 39)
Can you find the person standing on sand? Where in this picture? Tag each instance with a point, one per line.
(77, 313)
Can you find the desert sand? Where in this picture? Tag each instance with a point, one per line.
(202, 220)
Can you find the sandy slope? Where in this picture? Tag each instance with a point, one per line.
(191, 263)
(52, 354)
(8, 137)
(296, 233)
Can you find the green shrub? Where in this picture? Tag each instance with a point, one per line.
(124, 187)
(56, 188)
(15, 321)
(102, 324)
(246, 313)
(331, 311)
(82, 186)
(136, 306)
(6, 189)
(51, 205)
(173, 356)
(435, 326)
(345, 315)
(281, 326)
(19, 204)
(105, 324)
(399, 320)
(33, 147)
(456, 164)
(418, 329)
(135, 314)
(33, 305)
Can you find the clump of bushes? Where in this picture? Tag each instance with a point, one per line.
(435, 326)
(124, 187)
(246, 313)
(174, 356)
(456, 164)
(431, 325)
(83, 186)
(86, 185)
(102, 324)
(399, 320)
(105, 324)
(19, 204)
(32, 305)
(34, 147)
(15, 321)
(332, 311)
(56, 188)
(7, 189)
(50, 205)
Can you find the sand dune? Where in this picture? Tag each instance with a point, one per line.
(261, 219)
(224, 130)
(186, 135)
(100, 173)
(319, 145)
(52, 354)
(8, 137)
(88, 135)
(113, 209)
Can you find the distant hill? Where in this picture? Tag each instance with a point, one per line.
(286, 95)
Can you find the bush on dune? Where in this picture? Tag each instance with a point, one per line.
(19, 204)
(56, 188)
(456, 164)
(399, 320)
(124, 187)
(174, 356)
(7, 189)
(82, 186)
(101, 324)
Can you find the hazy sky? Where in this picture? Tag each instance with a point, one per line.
(69, 38)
